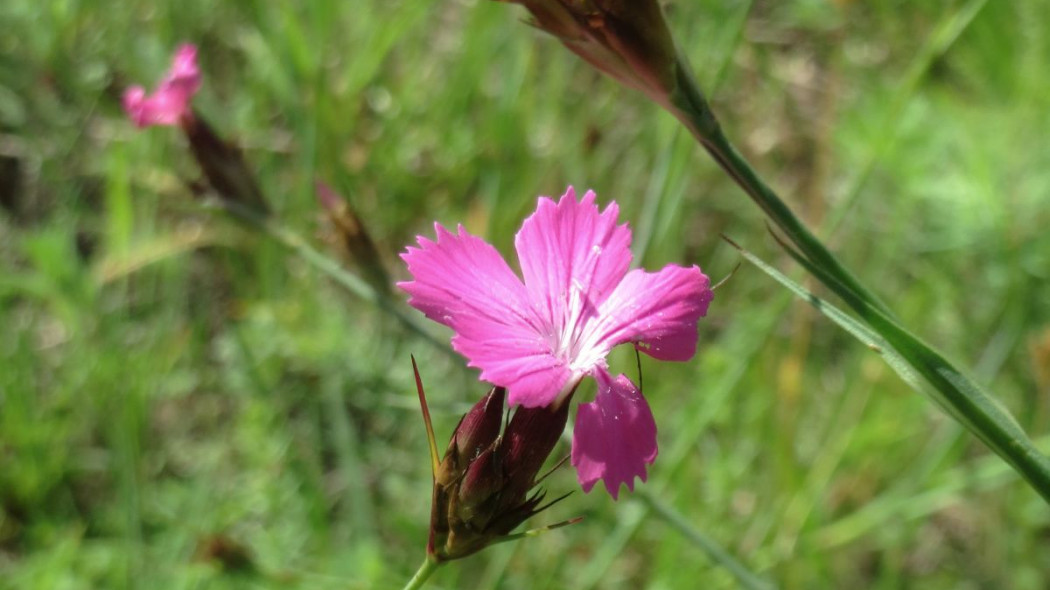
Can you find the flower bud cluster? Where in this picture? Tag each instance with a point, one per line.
(483, 487)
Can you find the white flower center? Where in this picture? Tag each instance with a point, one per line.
(571, 337)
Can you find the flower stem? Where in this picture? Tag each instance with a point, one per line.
(328, 266)
(426, 569)
(714, 551)
(961, 397)
(690, 106)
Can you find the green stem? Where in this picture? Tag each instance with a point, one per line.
(426, 569)
(333, 269)
(691, 108)
(709, 546)
(962, 398)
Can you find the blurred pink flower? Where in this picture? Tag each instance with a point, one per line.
(171, 101)
(540, 337)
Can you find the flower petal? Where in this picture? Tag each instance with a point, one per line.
(656, 311)
(459, 275)
(518, 360)
(615, 436)
(184, 65)
(463, 282)
(572, 256)
(170, 102)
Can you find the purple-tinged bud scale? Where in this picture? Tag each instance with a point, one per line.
(627, 39)
(483, 483)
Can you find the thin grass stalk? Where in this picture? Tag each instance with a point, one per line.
(714, 551)
(960, 396)
(330, 267)
(690, 106)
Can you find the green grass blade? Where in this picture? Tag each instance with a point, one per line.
(960, 396)
(714, 551)
(690, 106)
(941, 38)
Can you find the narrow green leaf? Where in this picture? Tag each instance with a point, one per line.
(858, 330)
(911, 358)
(714, 551)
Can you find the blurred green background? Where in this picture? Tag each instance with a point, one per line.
(184, 405)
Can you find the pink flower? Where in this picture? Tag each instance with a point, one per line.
(540, 337)
(171, 101)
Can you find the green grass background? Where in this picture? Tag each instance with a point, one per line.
(183, 405)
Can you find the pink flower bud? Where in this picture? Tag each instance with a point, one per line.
(480, 484)
(352, 238)
(626, 39)
(223, 165)
(480, 427)
(482, 487)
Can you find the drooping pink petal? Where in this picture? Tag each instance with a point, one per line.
(615, 436)
(572, 256)
(656, 311)
(171, 101)
(463, 282)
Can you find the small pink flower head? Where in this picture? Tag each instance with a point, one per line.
(171, 101)
(539, 337)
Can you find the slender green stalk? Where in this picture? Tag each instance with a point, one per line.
(962, 398)
(959, 395)
(348, 280)
(987, 474)
(426, 569)
(692, 109)
(708, 545)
